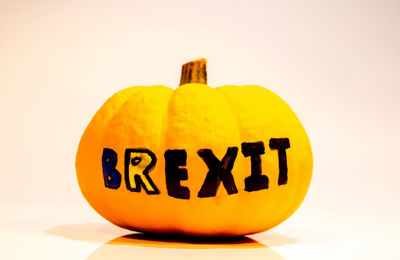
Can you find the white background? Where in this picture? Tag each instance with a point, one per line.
(336, 63)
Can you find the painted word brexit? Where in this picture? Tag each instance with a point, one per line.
(139, 163)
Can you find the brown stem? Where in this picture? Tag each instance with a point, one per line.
(194, 72)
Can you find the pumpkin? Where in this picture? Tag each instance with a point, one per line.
(225, 161)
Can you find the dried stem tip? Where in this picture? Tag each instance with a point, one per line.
(194, 72)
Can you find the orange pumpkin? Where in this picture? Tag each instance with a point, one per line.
(228, 161)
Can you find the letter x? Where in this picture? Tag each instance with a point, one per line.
(218, 171)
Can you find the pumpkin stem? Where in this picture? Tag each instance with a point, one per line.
(194, 72)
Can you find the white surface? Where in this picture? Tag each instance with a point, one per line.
(337, 63)
(77, 233)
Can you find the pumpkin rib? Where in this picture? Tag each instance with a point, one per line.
(296, 194)
(275, 202)
(138, 96)
(223, 90)
(102, 130)
(171, 226)
(188, 100)
(229, 101)
(164, 142)
(93, 128)
(107, 200)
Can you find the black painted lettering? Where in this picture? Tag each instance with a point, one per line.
(281, 144)
(256, 181)
(138, 163)
(218, 171)
(112, 177)
(174, 174)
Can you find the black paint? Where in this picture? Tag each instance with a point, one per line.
(174, 174)
(256, 181)
(281, 144)
(112, 177)
(218, 171)
(136, 162)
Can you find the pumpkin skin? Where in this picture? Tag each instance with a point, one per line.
(193, 117)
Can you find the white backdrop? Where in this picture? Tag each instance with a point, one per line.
(336, 63)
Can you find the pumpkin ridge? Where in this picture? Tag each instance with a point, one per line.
(99, 131)
(106, 125)
(183, 97)
(236, 118)
(164, 144)
(273, 201)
